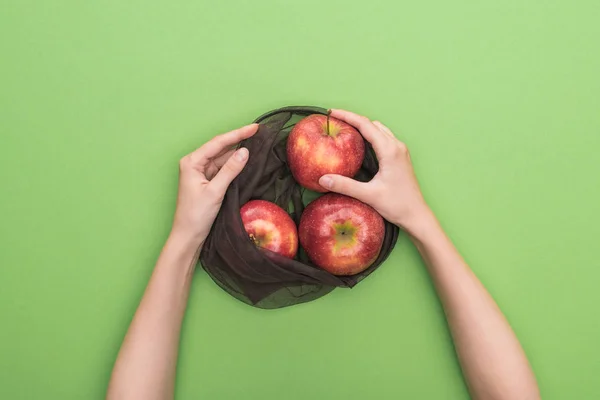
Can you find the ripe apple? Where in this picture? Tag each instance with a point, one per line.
(340, 234)
(318, 145)
(270, 227)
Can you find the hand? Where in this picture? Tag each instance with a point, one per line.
(204, 177)
(394, 191)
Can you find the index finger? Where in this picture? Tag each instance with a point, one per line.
(364, 125)
(222, 142)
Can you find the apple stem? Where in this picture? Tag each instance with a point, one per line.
(328, 124)
(253, 238)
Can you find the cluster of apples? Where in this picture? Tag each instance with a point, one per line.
(340, 234)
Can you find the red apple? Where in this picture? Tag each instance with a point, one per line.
(270, 227)
(340, 234)
(315, 149)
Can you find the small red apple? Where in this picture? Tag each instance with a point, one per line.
(270, 227)
(340, 234)
(316, 147)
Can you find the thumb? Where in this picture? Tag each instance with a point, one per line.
(344, 185)
(232, 168)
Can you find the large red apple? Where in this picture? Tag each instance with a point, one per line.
(340, 234)
(270, 227)
(316, 147)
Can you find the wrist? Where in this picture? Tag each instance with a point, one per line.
(185, 242)
(420, 223)
(179, 254)
(187, 234)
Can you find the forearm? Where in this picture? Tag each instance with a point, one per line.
(493, 362)
(145, 367)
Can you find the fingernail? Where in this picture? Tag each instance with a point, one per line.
(241, 154)
(326, 182)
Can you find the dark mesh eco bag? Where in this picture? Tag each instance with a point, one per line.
(257, 276)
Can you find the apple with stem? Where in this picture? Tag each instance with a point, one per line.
(270, 227)
(319, 145)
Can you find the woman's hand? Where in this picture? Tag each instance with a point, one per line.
(480, 332)
(204, 177)
(394, 191)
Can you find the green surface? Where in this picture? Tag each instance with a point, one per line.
(498, 101)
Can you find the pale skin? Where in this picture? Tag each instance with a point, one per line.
(494, 364)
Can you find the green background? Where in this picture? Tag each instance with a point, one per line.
(497, 100)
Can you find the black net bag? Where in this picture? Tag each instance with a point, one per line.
(257, 276)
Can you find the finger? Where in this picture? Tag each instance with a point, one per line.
(364, 125)
(221, 159)
(344, 185)
(379, 126)
(383, 128)
(222, 143)
(232, 167)
(226, 152)
(215, 164)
